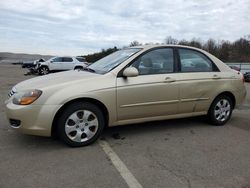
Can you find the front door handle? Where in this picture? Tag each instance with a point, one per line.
(169, 80)
(215, 76)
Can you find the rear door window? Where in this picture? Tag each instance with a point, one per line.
(67, 59)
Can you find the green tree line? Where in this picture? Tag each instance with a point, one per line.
(96, 56)
(227, 51)
(236, 51)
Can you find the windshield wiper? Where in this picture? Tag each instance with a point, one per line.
(88, 69)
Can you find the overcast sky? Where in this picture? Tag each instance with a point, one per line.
(79, 27)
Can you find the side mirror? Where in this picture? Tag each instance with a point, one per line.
(130, 72)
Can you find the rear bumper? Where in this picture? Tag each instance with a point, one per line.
(33, 119)
(240, 96)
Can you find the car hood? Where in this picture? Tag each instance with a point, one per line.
(55, 79)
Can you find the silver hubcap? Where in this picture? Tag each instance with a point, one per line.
(81, 126)
(222, 110)
(44, 71)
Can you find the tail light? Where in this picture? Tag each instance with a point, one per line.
(241, 77)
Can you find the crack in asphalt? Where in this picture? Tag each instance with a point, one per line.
(180, 176)
(164, 167)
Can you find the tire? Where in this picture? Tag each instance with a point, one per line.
(220, 110)
(78, 68)
(80, 124)
(43, 70)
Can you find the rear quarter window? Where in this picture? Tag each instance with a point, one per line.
(194, 61)
(80, 59)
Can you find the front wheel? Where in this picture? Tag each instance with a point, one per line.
(43, 70)
(220, 110)
(80, 124)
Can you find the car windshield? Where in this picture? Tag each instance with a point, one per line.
(111, 61)
(51, 59)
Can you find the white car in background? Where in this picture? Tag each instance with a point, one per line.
(61, 63)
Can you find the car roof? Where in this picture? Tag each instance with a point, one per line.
(70, 56)
(149, 46)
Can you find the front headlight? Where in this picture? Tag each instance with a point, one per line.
(26, 98)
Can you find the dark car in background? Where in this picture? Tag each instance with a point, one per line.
(247, 76)
(235, 67)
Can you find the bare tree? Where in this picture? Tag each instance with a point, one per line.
(171, 40)
(195, 43)
(135, 43)
(211, 46)
(183, 42)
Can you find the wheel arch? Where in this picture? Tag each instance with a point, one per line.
(229, 94)
(78, 66)
(83, 99)
(41, 66)
(47, 66)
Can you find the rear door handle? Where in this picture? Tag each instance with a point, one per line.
(215, 76)
(169, 80)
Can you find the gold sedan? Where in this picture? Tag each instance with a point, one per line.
(133, 85)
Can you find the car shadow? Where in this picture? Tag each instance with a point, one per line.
(118, 132)
(35, 142)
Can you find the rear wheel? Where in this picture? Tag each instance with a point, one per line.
(80, 124)
(78, 68)
(221, 110)
(43, 70)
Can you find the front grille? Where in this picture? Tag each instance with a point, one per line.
(12, 92)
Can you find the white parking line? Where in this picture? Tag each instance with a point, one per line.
(120, 166)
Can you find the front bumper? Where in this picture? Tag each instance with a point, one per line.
(34, 119)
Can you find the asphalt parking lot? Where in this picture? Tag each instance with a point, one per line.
(175, 153)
